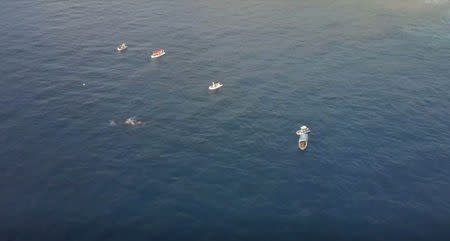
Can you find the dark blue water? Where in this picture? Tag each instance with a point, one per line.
(371, 79)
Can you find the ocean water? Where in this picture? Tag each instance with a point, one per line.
(370, 78)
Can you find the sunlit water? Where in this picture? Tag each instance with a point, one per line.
(369, 78)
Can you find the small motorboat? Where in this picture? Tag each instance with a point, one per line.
(121, 47)
(215, 85)
(303, 137)
(157, 53)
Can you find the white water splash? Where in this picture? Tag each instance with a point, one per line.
(133, 121)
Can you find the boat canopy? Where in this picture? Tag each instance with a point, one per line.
(157, 51)
(303, 137)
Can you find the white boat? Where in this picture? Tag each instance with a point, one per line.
(303, 137)
(215, 85)
(157, 53)
(122, 47)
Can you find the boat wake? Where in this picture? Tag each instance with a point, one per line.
(112, 123)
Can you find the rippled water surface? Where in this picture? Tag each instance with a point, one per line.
(370, 78)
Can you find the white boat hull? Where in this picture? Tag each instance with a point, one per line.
(215, 87)
(302, 141)
(302, 145)
(157, 55)
(120, 50)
